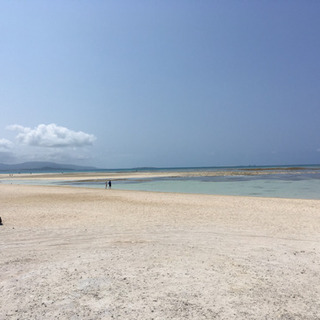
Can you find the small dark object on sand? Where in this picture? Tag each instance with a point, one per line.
(0, 221)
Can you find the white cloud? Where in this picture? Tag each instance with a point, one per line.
(52, 136)
(5, 144)
(17, 127)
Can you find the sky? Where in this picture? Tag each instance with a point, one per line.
(170, 83)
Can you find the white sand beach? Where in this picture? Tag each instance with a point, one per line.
(75, 253)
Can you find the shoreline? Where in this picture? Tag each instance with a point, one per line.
(125, 191)
(78, 253)
(285, 184)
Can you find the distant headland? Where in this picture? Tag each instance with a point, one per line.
(41, 166)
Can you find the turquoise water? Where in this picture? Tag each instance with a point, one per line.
(302, 186)
(303, 183)
(304, 189)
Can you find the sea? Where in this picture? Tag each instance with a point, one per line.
(300, 182)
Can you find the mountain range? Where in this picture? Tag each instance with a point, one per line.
(40, 165)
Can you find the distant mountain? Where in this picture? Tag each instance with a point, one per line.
(40, 166)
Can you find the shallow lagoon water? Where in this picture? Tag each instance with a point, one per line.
(274, 185)
(260, 187)
(302, 185)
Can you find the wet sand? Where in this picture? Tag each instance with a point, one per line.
(74, 253)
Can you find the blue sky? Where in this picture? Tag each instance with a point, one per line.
(118, 84)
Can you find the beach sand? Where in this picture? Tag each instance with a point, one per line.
(75, 253)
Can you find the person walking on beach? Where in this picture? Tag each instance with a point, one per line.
(109, 183)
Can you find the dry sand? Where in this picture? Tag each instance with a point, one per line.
(73, 253)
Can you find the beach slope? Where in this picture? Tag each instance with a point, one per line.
(75, 253)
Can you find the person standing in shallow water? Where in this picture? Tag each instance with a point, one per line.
(109, 184)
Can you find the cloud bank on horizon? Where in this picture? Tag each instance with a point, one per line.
(47, 141)
(51, 135)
